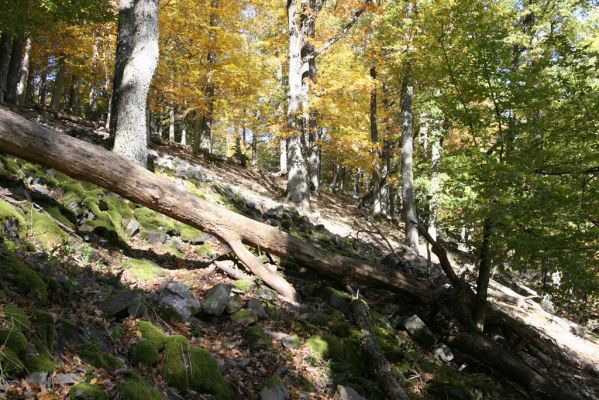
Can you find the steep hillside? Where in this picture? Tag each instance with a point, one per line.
(101, 298)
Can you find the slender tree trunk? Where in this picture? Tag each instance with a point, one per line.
(30, 87)
(436, 148)
(254, 149)
(358, 182)
(205, 143)
(58, 84)
(93, 90)
(73, 94)
(171, 124)
(407, 150)
(184, 134)
(5, 50)
(378, 193)
(485, 267)
(14, 68)
(22, 86)
(137, 61)
(298, 190)
(336, 173)
(314, 154)
(43, 88)
(283, 155)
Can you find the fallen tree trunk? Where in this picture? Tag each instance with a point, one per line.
(94, 164)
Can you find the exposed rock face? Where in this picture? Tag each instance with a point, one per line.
(418, 329)
(124, 303)
(274, 389)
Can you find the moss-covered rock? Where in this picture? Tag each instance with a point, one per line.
(345, 355)
(153, 334)
(205, 251)
(23, 279)
(145, 352)
(46, 232)
(86, 391)
(144, 270)
(93, 353)
(40, 363)
(152, 221)
(45, 329)
(7, 210)
(244, 317)
(257, 338)
(189, 234)
(189, 367)
(135, 388)
(244, 285)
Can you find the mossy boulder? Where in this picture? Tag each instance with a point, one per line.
(46, 232)
(7, 211)
(145, 352)
(345, 355)
(86, 391)
(40, 363)
(92, 352)
(205, 251)
(244, 317)
(190, 367)
(45, 329)
(244, 285)
(152, 334)
(257, 338)
(143, 270)
(23, 279)
(135, 388)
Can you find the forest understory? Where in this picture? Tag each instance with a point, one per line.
(102, 298)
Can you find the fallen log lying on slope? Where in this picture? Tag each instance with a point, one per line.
(95, 164)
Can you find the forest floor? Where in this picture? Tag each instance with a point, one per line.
(101, 298)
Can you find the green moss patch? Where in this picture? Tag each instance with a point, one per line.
(153, 334)
(205, 251)
(345, 355)
(45, 231)
(189, 367)
(244, 285)
(85, 391)
(144, 270)
(134, 388)
(93, 353)
(23, 279)
(145, 352)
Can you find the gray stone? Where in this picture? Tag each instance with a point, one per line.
(179, 299)
(443, 353)
(175, 242)
(38, 378)
(11, 228)
(418, 329)
(123, 303)
(257, 307)
(41, 189)
(267, 294)
(156, 237)
(347, 393)
(274, 389)
(217, 299)
(275, 213)
(290, 342)
(67, 379)
(132, 228)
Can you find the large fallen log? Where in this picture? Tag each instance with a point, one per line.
(95, 164)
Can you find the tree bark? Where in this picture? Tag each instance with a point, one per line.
(136, 61)
(5, 50)
(407, 162)
(254, 149)
(298, 190)
(43, 88)
(22, 86)
(171, 124)
(485, 267)
(93, 90)
(30, 87)
(14, 68)
(282, 156)
(58, 84)
(94, 164)
(184, 134)
(73, 104)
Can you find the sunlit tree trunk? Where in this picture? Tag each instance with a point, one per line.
(93, 90)
(283, 156)
(58, 84)
(298, 191)
(14, 68)
(5, 50)
(30, 87)
(137, 58)
(171, 124)
(22, 86)
(184, 134)
(407, 168)
(254, 149)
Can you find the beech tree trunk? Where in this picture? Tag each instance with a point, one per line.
(136, 61)
(43, 88)
(298, 191)
(58, 84)
(171, 124)
(94, 164)
(407, 163)
(14, 68)
(93, 90)
(29, 87)
(24, 76)
(282, 155)
(5, 50)
(74, 94)
(254, 149)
